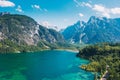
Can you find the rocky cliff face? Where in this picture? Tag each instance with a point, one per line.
(97, 29)
(24, 30)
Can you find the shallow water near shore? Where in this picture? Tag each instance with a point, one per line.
(44, 65)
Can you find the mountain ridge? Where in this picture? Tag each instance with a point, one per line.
(97, 29)
(22, 30)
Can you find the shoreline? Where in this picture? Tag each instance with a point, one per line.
(18, 52)
(70, 50)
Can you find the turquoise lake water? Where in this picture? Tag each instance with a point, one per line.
(44, 65)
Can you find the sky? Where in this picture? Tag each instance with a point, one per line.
(62, 13)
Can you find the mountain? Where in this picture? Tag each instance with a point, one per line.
(22, 29)
(72, 33)
(97, 29)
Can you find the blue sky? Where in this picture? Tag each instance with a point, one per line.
(62, 13)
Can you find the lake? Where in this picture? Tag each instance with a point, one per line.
(43, 65)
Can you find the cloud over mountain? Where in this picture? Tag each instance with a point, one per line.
(99, 8)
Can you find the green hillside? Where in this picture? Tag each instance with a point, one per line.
(102, 55)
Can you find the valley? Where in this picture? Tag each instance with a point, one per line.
(97, 40)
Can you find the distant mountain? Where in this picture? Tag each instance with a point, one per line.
(97, 29)
(24, 30)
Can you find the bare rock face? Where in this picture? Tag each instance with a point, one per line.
(97, 29)
(23, 29)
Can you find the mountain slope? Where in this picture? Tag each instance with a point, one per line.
(24, 30)
(97, 29)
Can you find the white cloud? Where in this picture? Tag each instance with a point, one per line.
(86, 4)
(19, 9)
(35, 6)
(115, 10)
(49, 25)
(46, 24)
(106, 11)
(81, 15)
(99, 9)
(82, 4)
(106, 15)
(77, 3)
(6, 3)
(102, 10)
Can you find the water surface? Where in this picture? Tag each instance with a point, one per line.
(44, 65)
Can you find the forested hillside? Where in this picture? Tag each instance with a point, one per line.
(102, 56)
